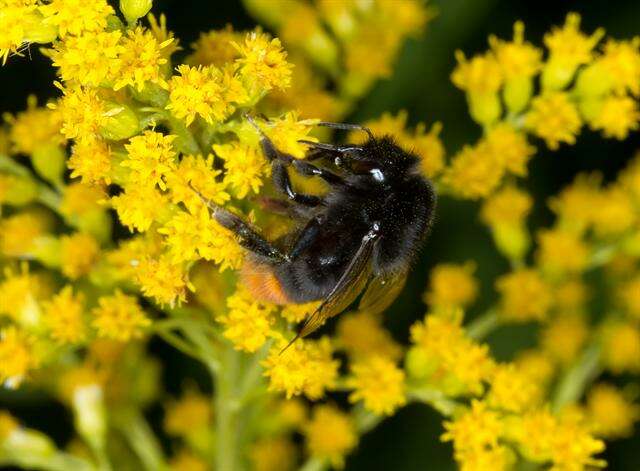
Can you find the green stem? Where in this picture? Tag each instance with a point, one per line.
(314, 464)
(142, 440)
(483, 325)
(227, 410)
(178, 343)
(436, 399)
(59, 461)
(575, 381)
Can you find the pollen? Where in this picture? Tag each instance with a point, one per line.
(119, 317)
(379, 384)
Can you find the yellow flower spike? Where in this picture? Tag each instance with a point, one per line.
(34, 127)
(564, 336)
(622, 60)
(378, 383)
(140, 206)
(475, 172)
(511, 147)
(273, 454)
(22, 23)
(76, 16)
(525, 296)
(481, 78)
(362, 334)
(568, 49)
(16, 356)
(306, 367)
(554, 118)
(505, 212)
(82, 110)
(64, 317)
(621, 347)
(561, 252)
(452, 286)
(245, 166)
(215, 47)
(519, 61)
(247, 323)
(162, 280)
(616, 117)
(330, 434)
(611, 411)
(119, 317)
(189, 415)
(78, 253)
(150, 157)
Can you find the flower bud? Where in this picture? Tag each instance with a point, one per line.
(418, 364)
(485, 108)
(49, 162)
(26, 444)
(121, 122)
(134, 9)
(594, 81)
(512, 240)
(36, 30)
(556, 75)
(517, 93)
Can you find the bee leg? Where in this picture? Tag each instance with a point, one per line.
(309, 170)
(282, 182)
(285, 208)
(321, 148)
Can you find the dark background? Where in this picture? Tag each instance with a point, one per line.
(409, 440)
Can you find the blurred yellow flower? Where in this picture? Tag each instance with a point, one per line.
(330, 434)
(273, 454)
(379, 383)
(452, 285)
(189, 415)
(119, 317)
(564, 336)
(512, 389)
(554, 118)
(247, 323)
(64, 316)
(78, 253)
(525, 296)
(561, 252)
(17, 356)
(621, 347)
(612, 413)
(362, 334)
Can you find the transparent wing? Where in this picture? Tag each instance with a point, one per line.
(382, 291)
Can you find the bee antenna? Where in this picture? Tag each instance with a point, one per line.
(291, 342)
(347, 127)
(252, 122)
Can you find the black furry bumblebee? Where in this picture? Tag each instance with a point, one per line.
(361, 236)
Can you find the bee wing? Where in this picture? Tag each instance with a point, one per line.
(382, 291)
(346, 290)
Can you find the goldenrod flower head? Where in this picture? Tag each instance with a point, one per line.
(518, 58)
(330, 434)
(163, 280)
(611, 412)
(247, 323)
(91, 161)
(622, 60)
(554, 118)
(63, 316)
(158, 27)
(79, 199)
(273, 454)
(621, 347)
(189, 415)
(17, 356)
(119, 317)
(571, 295)
(616, 117)
(298, 312)
(306, 367)
(475, 172)
(141, 60)
(512, 390)
(19, 232)
(186, 460)
(525, 296)
(361, 334)
(150, 157)
(379, 383)
(508, 206)
(245, 167)
(510, 147)
(616, 212)
(88, 59)
(370, 52)
(629, 296)
(535, 365)
(78, 253)
(138, 207)
(83, 112)
(20, 293)
(263, 63)
(564, 336)
(76, 17)
(561, 252)
(17, 20)
(481, 75)
(287, 130)
(577, 204)
(452, 285)
(215, 47)
(34, 128)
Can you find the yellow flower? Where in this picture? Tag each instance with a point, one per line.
(616, 117)
(119, 317)
(611, 412)
(512, 389)
(88, 59)
(508, 206)
(141, 60)
(554, 118)
(162, 280)
(571, 295)
(186, 461)
(21, 23)
(518, 58)
(215, 47)
(78, 254)
(198, 91)
(305, 367)
(616, 212)
(561, 252)
(77, 16)
(525, 296)
(564, 336)
(263, 63)
(245, 167)
(568, 48)
(83, 112)
(475, 172)
(79, 199)
(20, 293)
(17, 356)
(452, 286)
(535, 365)
(139, 207)
(273, 454)
(19, 232)
(481, 75)
(150, 157)
(190, 415)
(511, 147)
(578, 203)
(379, 383)
(64, 317)
(330, 435)
(629, 296)
(622, 61)
(621, 347)
(286, 131)
(34, 128)
(361, 334)
(247, 323)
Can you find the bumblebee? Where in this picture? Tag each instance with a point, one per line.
(362, 236)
